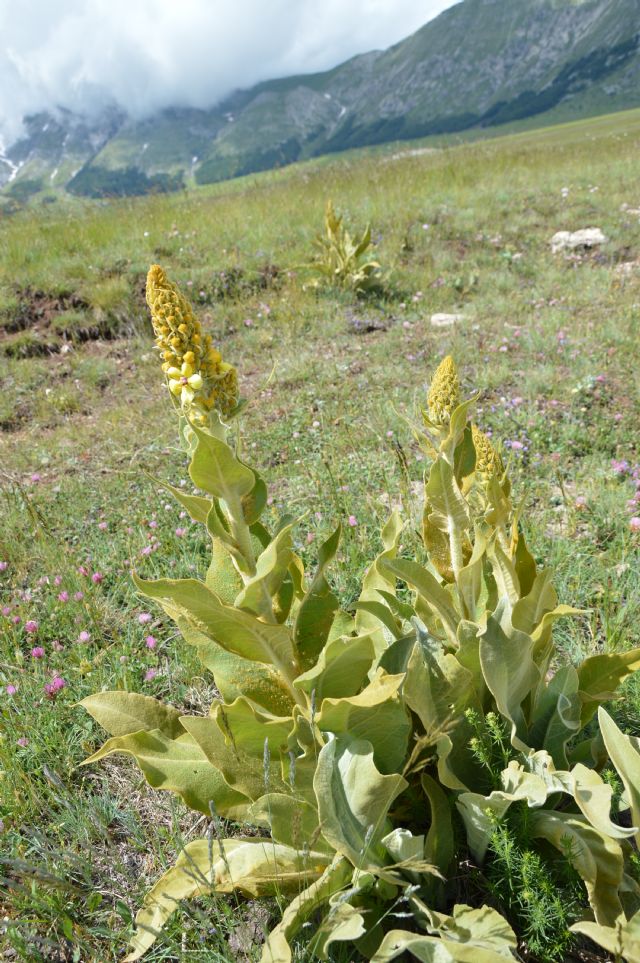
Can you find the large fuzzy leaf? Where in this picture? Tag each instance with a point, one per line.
(197, 506)
(236, 631)
(251, 866)
(430, 592)
(555, 717)
(446, 499)
(595, 856)
(291, 820)
(377, 714)
(437, 688)
(479, 813)
(469, 936)
(439, 845)
(215, 469)
(342, 668)
(376, 579)
(622, 940)
(277, 948)
(528, 611)
(180, 766)
(234, 742)
(600, 677)
(222, 576)
(121, 713)
(235, 676)
(509, 671)
(272, 567)
(353, 801)
(317, 608)
(624, 752)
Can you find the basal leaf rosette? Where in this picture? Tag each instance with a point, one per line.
(363, 759)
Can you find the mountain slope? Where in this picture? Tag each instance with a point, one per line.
(480, 63)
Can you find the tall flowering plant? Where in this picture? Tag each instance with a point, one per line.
(373, 752)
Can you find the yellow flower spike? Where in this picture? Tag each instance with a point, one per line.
(196, 374)
(444, 393)
(487, 458)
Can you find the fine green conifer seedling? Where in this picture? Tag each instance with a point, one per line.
(369, 756)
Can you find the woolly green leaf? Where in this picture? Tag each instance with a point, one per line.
(251, 866)
(215, 469)
(353, 801)
(383, 615)
(344, 923)
(317, 608)
(621, 940)
(342, 668)
(457, 428)
(528, 611)
(291, 820)
(445, 497)
(437, 688)
(624, 752)
(177, 765)
(469, 936)
(277, 948)
(233, 740)
(555, 717)
(197, 506)
(595, 856)
(429, 591)
(121, 713)
(600, 676)
(376, 579)
(509, 670)
(254, 502)
(235, 676)
(377, 714)
(439, 845)
(272, 567)
(504, 573)
(235, 630)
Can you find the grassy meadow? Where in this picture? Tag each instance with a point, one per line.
(550, 341)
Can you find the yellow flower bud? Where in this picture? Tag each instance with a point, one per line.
(444, 393)
(196, 372)
(487, 458)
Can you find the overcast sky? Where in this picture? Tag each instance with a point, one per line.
(146, 54)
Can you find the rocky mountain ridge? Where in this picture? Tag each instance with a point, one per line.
(481, 63)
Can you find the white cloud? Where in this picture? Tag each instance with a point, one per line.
(147, 54)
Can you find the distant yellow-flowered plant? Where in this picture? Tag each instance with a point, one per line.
(197, 376)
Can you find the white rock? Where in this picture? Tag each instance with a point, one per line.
(587, 238)
(446, 320)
